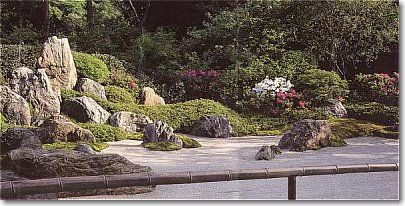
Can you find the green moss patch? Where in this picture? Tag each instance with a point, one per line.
(71, 145)
(107, 133)
(348, 128)
(162, 146)
(189, 142)
(118, 95)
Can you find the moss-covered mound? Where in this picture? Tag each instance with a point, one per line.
(107, 133)
(71, 145)
(189, 142)
(348, 128)
(180, 116)
(118, 95)
(91, 67)
(162, 146)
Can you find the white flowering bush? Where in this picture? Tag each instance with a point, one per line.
(279, 84)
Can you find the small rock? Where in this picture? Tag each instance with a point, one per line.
(149, 97)
(307, 134)
(15, 138)
(14, 107)
(91, 87)
(267, 152)
(85, 148)
(60, 129)
(336, 108)
(212, 126)
(160, 132)
(85, 109)
(129, 121)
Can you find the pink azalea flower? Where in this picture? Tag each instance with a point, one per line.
(301, 103)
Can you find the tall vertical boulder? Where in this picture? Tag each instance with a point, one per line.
(149, 97)
(57, 60)
(14, 107)
(36, 88)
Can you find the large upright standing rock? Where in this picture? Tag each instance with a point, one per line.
(149, 97)
(212, 126)
(307, 134)
(36, 88)
(85, 109)
(92, 87)
(129, 121)
(57, 60)
(14, 107)
(160, 132)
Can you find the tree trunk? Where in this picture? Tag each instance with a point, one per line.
(90, 18)
(46, 19)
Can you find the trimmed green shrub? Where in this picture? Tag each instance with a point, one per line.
(91, 67)
(118, 95)
(188, 142)
(107, 133)
(162, 146)
(294, 115)
(71, 145)
(348, 128)
(318, 86)
(375, 112)
(180, 116)
(14, 56)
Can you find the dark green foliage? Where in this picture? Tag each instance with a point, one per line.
(14, 56)
(107, 133)
(348, 128)
(162, 146)
(189, 142)
(294, 115)
(71, 145)
(374, 112)
(118, 95)
(90, 67)
(318, 86)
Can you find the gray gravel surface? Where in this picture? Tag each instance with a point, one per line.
(239, 152)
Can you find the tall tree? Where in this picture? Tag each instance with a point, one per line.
(140, 16)
(89, 14)
(46, 18)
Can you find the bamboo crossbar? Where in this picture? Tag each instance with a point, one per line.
(62, 184)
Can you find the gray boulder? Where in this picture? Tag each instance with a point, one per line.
(14, 107)
(15, 138)
(57, 61)
(267, 152)
(129, 121)
(160, 132)
(85, 148)
(60, 129)
(85, 109)
(36, 88)
(91, 87)
(212, 126)
(336, 108)
(307, 134)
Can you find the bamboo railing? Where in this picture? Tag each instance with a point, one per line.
(52, 185)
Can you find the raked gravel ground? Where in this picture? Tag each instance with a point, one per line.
(239, 152)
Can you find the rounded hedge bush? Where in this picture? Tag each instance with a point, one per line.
(107, 133)
(90, 67)
(318, 86)
(118, 95)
